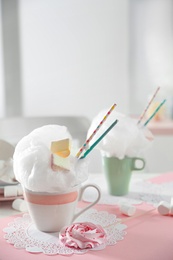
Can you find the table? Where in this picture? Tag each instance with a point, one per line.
(149, 234)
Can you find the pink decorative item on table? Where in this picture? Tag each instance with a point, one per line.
(83, 235)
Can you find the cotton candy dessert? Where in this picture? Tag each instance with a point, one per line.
(39, 169)
(127, 138)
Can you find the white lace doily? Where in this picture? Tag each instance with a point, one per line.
(139, 191)
(23, 234)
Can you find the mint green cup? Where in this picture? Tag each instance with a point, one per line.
(118, 173)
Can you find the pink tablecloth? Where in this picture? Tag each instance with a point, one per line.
(149, 237)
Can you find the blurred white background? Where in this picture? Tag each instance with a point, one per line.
(77, 57)
(72, 56)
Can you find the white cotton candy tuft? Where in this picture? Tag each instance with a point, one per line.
(32, 162)
(126, 138)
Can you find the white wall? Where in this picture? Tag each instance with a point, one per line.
(2, 105)
(151, 51)
(74, 56)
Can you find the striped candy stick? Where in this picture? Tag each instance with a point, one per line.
(99, 139)
(95, 131)
(145, 110)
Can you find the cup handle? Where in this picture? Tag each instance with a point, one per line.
(91, 204)
(134, 168)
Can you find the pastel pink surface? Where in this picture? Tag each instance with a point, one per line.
(162, 127)
(165, 177)
(149, 237)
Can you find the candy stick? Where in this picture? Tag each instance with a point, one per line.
(143, 213)
(145, 110)
(95, 131)
(99, 139)
(157, 109)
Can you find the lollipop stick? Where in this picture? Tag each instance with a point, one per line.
(99, 139)
(145, 110)
(95, 131)
(157, 109)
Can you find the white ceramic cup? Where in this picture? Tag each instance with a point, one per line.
(52, 211)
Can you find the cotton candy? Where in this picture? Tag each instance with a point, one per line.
(125, 139)
(32, 162)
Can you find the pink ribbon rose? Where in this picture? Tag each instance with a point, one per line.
(82, 235)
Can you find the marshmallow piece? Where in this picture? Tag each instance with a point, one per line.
(19, 190)
(163, 208)
(127, 210)
(171, 207)
(58, 161)
(10, 191)
(61, 147)
(20, 205)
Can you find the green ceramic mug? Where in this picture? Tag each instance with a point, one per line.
(118, 173)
